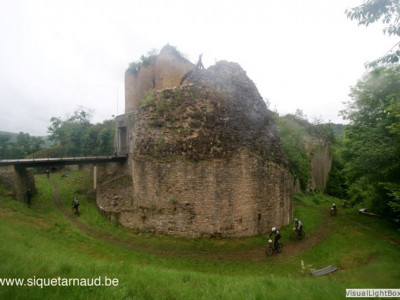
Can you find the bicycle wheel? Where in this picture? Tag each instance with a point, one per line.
(269, 251)
(280, 248)
(303, 235)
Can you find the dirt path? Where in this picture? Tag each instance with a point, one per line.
(85, 228)
(254, 254)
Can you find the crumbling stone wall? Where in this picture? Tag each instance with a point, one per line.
(206, 160)
(114, 189)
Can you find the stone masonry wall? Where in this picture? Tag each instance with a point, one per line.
(217, 198)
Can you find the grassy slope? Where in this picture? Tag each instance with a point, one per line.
(42, 242)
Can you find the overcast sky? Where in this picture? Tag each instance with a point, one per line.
(58, 55)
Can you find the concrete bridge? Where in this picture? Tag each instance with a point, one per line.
(62, 161)
(15, 173)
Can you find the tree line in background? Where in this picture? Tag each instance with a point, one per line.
(19, 145)
(369, 152)
(72, 137)
(77, 136)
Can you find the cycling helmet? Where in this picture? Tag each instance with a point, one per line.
(333, 204)
(273, 229)
(296, 220)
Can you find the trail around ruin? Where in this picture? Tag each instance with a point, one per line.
(254, 254)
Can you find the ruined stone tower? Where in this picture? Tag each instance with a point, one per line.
(156, 73)
(205, 158)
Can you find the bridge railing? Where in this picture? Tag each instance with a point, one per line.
(63, 160)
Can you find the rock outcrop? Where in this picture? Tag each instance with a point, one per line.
(319, 152)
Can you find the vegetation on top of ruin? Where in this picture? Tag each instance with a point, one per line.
(148, 99)
(145, 61)
(151, 57)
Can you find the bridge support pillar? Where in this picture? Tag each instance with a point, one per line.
(18, 181)
(94, 177)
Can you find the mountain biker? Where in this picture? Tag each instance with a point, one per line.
(75, 204)
(298, 226)
(277, 237)
(333, 208)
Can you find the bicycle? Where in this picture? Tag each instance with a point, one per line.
(296, 236)
(75, 206)
(271, 250)
(333, 211)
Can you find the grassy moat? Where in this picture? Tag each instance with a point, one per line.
(47, 241)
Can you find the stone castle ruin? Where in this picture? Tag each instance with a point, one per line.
(205, 158)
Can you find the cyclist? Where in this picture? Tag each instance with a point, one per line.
(75, 204)
(277, 234)
(298, 226)
(333, 209)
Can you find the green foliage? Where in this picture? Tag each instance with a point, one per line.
(394, 203)
(145, 61)
(372, 140)
(394, 114)
(151, 57)
(148, 99)
(134, 67)
(19, 147)
(337, 185)
(76, 136)
(293, 137)
(298, 136)
(388, 11)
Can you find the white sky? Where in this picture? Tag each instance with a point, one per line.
(57, 55)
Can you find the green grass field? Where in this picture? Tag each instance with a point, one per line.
(41, 242)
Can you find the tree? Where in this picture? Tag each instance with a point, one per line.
(76, 136)
(19, 146)
(4, 141)
(106, 139)
(372, 139)
(388, 11)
